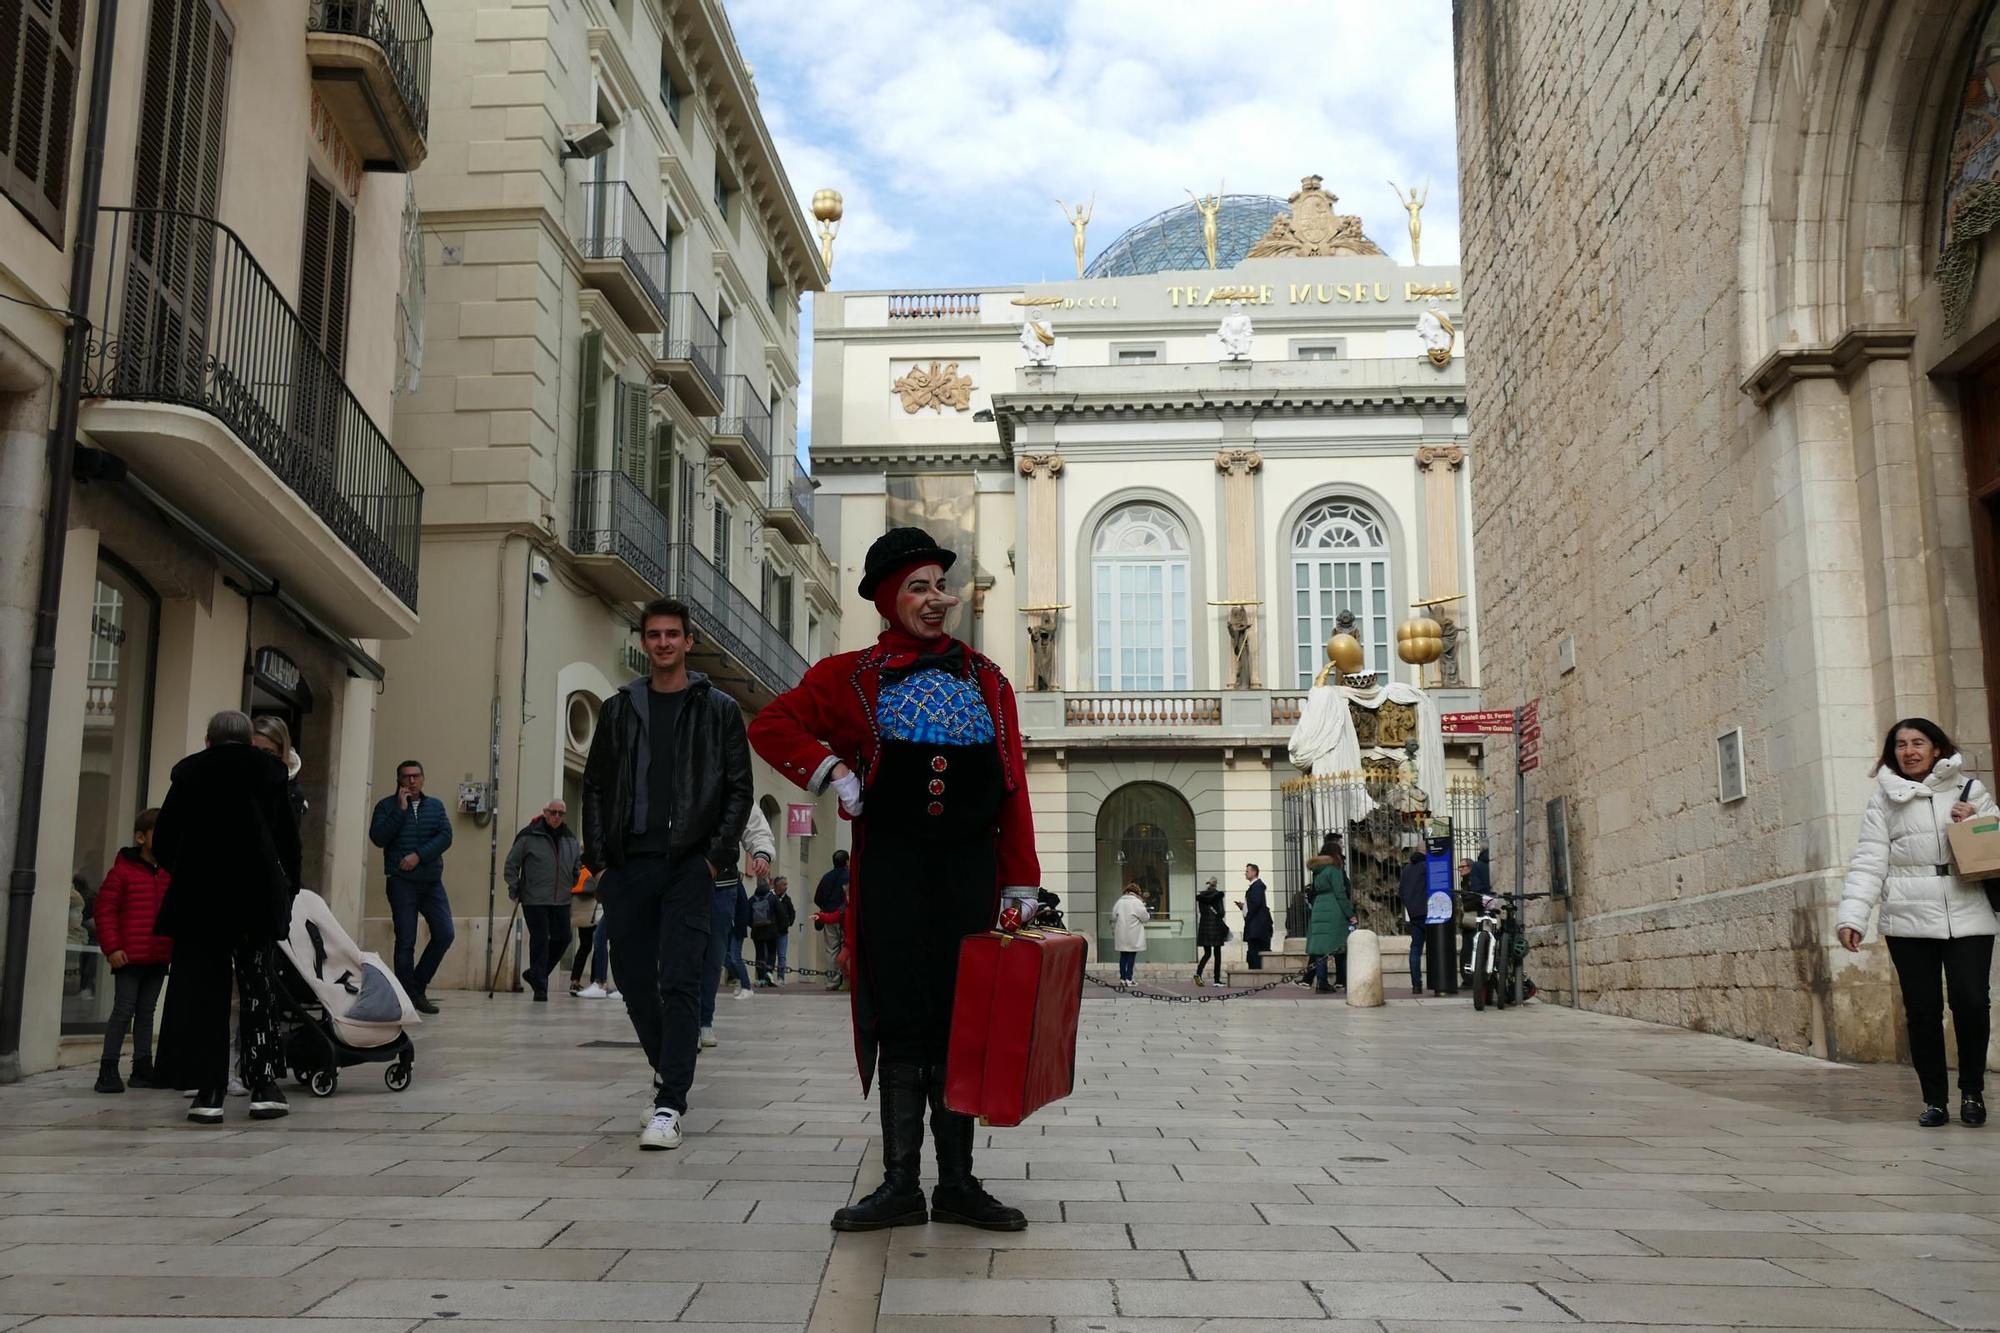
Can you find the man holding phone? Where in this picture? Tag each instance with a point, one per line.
(414, 830)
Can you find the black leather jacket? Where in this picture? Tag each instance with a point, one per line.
(712, 791)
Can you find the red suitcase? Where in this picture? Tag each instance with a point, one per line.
(1013, 1024)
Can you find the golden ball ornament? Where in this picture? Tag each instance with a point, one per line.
(827, 205)
(1346, 654)
(1420, 641)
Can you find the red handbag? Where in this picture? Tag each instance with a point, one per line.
(1013, 1024)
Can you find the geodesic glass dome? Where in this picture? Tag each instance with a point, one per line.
(1171, 241)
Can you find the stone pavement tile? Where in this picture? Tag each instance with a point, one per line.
(116, 1230)
(392, 1184)
(835, 1191)
(587, 1209)
(1081, 1191)
(1749, 1307)
(1340, 1215)
(1715, 1272)
(1284, 1300)
(129, 1206)
(1460, 1240)
(1177, 1191)
(671, 1235)
(1307, 1266)
(1500, 1267)
(276, 1231)
(1960, 1309)
(1743, 1244)
(546, 1185)
(760, 1302)
(175, 1324)
(337, 1207)
(1048, 1236)
(1663, 1219)
(948, 1296)
(75, 1259)
(712, 1265)
(455, 1299)
(561, 1326)
(1037, 1170)
(979, 1263)
(525, 1235)
(1124, 1265)
(38, 1182)
(362, 1261)
(1460, 1302)
(1882, 1274)
(958, 1323)
(185, 1297)
(1211, 1213)
(1985, 1205)
(1170, 1237)
(1777, 1202)
(1472, 1192)
(1901, 1223)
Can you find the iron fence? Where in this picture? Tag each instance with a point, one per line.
(610, 515)
(728, 618)
(744, 415)
(401, 28)
(188, 316)
(1381, 816)
(692, 336)
(615, 226)
(792, 489)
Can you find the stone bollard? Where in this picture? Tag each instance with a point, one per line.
(1364, 969)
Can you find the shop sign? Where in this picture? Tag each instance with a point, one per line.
(798, 821)
(278, 671)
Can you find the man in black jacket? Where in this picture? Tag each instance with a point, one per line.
(1415, 892)
(666, 793)
(227, 837)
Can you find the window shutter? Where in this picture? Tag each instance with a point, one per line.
(40, 43)
(638, 434)
(590, 376)
(326, 258)
(687, 502)
(663, 467)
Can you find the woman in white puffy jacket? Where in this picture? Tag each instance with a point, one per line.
(1933, 922)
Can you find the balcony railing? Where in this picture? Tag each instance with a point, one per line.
(745, 416)
(790, 501)
(733, 622)
(615, 226)
(1142, 710)
(189, 317)
(692, 337)
(401, 28)
(610, 515)
(934, 307)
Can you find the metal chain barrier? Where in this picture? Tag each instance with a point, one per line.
(1191, 999)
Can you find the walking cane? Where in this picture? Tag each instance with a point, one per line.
(493, 979)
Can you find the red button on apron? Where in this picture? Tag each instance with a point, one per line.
(937, 786)
(936, 808)
(937, 763)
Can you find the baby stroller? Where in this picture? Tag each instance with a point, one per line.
(339, 1006)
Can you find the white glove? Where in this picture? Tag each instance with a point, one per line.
(849, 791)
(1025, 897)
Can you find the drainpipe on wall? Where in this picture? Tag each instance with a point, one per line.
(55, 533)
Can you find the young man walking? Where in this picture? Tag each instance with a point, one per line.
(414, 832)
(666, 793)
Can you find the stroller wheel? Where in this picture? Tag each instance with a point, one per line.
(323, 1082)
(397, 1076)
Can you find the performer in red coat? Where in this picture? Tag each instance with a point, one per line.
(919, 737)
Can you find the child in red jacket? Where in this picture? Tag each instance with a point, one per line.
(128, 903)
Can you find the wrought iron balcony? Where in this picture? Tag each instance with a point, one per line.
(371, 63)
(727, 620)
(689, 355)
(189, 318)
(790, 510)
(620, 537)
(624, 256)
(742, 433)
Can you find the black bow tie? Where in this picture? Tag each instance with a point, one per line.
(951, 659)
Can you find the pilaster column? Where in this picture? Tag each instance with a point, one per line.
(1440, 465)
(1043, 561)
(1239, 468)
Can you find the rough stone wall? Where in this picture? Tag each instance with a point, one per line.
(1624, 501)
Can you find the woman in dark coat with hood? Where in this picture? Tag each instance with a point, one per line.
(1211, 931)
(918, 736)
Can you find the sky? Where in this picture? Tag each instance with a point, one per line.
(952, 129)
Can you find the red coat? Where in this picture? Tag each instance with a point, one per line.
(128, 904)
(831, 713)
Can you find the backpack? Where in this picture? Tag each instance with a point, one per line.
(764, 911)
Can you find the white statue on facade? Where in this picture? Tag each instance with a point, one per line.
(1038, 340)
(1235, 335)
(1435, 329)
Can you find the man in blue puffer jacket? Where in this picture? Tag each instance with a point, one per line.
(413, 830)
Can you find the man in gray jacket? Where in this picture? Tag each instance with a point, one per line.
(542, 867)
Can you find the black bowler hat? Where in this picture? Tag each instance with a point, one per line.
(898, 549)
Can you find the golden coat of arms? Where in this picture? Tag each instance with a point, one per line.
(1313, 228)
(936, 388)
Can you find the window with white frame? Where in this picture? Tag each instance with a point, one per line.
(1139, 571)
(1340, 562)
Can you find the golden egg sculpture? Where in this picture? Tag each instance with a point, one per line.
(1420, 641)
(827, 205)
(1346, 654)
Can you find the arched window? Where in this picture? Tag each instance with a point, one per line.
(1139, 567)
(1340, 562)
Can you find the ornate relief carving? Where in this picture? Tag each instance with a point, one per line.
(934, 388)
(1040, 465)
(1238, 462)
(1431, 455)
(1312, 228)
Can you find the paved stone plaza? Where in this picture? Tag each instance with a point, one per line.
(1261, 1165)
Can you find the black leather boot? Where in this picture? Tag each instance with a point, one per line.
(959, 1197)
(107, 1077)
(899, 1201)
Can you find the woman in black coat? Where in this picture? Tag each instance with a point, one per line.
(1210, 930)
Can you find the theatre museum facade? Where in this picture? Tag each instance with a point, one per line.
(1168, 485)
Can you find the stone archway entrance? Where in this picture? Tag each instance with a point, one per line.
(1146, 836)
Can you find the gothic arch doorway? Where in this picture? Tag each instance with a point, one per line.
(1146, 836)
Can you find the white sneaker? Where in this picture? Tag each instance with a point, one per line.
(614, 995)
(707, 1038)
(743, 992)
(236, 1088)
(662, 1131)
(592, 992)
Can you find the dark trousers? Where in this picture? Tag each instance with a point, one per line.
(658, 914)
(1416, 955)
(721, 923)
(138, 991)
(1253, 953)
(767, 958)
(586, 938)
(1964, 963)
(1339, 969)
(1208, 952)
(1127, 960)
(408, 900)
(548, 936)
(194, 1033)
